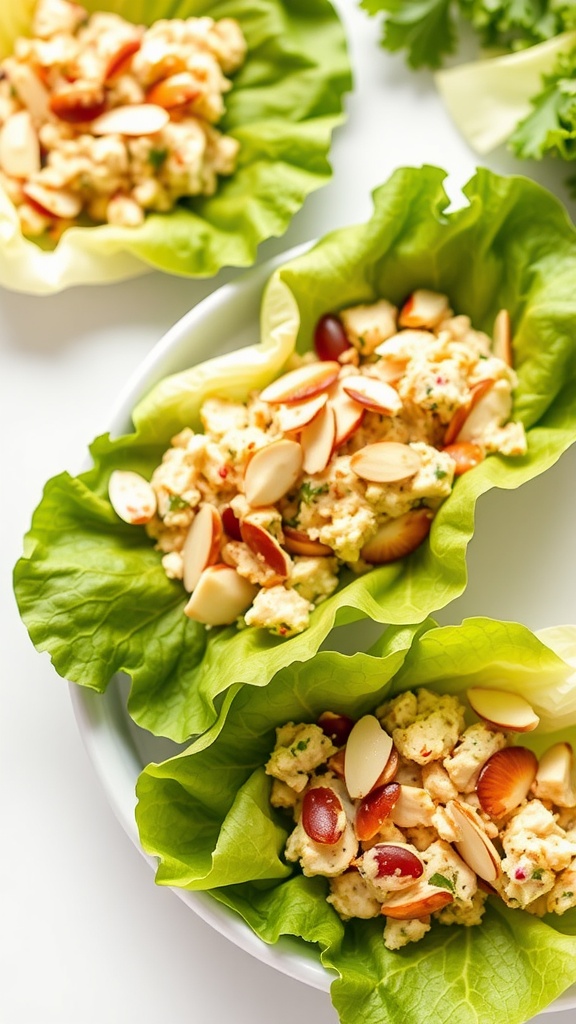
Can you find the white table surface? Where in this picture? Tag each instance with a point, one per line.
(85, 935)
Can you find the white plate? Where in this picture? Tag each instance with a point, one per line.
(517, 566)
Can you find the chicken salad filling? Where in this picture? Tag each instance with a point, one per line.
(412, 814)
(340, 463)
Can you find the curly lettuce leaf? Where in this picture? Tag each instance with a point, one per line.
(492, 101)
(429, 30)
(196, 811)
(92, 591)
(284, 106)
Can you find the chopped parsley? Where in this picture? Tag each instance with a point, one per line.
(176, 502)
(442, 882)
(300, 747)
(440, 473)
(156, 157)
(308, 492)
(537, 874)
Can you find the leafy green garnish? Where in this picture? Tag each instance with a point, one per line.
(428, 30)
(156, 157)
(308, 491)
(550, 127)
(442, 882)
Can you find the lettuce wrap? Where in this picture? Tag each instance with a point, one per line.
(206, 815)
(285, 103)
(91, 589)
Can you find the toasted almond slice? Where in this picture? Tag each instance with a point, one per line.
(231, 523)
(299, 543)
(30, 90)
(505, 780)
(317, 440)
(461, 415)
(263, 544)
(503, 709)
(424, 308)
(304, 382)
(555, 778)
(19, 146)
(374, 809)
(465, 455)
(323, 817)
(272, 471)
(419, 900)
(502, 337)
(59, 203)
(119, 61)
(336, 727)
(398, 537)
(131, 497)
(492, 409)
(413, 807)
(292, 418)
(202, 544)
(373, 394)
(220, 596)
(474, 846)
(133, 119)
(174, 91)
(390, 768)
(348, 414)
(78, 102)
(367, 751)
(385, 462)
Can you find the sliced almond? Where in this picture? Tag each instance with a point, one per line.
(474, 846)
(231, 523)
(32, 93)
(385, 462)
(398, 537)
(390, 768)
(348, 414)
(465, 455)
(263, 544)
(555, 779)
(373, 394)
(461, 415)
(413, 807)
(272, 471)
(19, 146)
(419, 900)
(59, 203)
(131, 497)
(367, 752)
(119, 61)
(492, 409)
(78, 102)
(503, 709)
(424, 308)
(220, 596)
(202, 544)
(502, 337)
(292, 418)
(374, 809)
(299, 543)
(174, 91)
(505, 780)
(317, 440)
(304, 382)
(133, 119)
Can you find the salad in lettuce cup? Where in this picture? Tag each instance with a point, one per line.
(285, 102)
(206, 815)
(91, 589)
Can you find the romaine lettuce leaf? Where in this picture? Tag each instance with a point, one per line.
(196, 810)
(92, 591)
(284, 107)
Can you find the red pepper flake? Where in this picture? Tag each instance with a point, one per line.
(223, 472)
(520, 874)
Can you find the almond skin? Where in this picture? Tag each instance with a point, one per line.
(505, 780)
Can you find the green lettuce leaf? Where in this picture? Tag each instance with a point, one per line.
(92, 591)
(429, 30)
(284, 107)
(500, 99)
(198, 813)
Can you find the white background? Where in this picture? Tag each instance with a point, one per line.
(85, 935)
